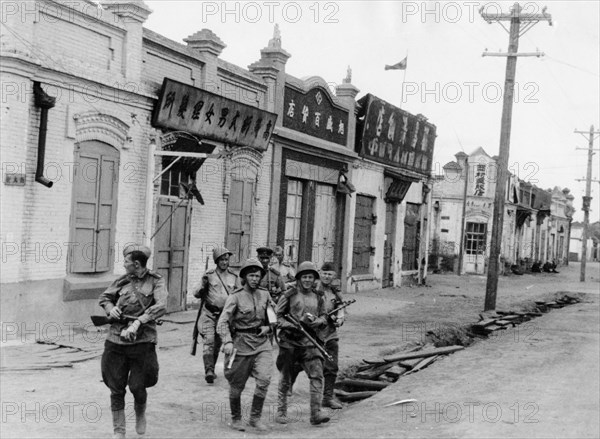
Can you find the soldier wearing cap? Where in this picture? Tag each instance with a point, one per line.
(216, 285)
(305, 304)
(332, 298)
(271, 280)
(244, 328)
(129, 356)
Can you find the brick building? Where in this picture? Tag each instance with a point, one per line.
(80, 85)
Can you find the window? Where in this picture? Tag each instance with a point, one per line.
(445, 230)
(95, 190)
(178, 173)
(476, 238)
(239, 220)
(445, 217)
(293, 217)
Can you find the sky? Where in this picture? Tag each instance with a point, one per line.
(447, 79)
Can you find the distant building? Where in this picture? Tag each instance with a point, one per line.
(536, 222)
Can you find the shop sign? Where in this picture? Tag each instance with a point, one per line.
(182, 107)
(314, 113)
(395, 137)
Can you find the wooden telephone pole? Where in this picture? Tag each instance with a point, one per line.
(587, 199)
(528, 20)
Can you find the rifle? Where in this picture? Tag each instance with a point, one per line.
(196, 332)
(105, 320)
(344, 304)
(300, 327)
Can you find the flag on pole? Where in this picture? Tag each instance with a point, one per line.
(398, 66)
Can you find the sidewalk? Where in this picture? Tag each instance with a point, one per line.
(73, 402)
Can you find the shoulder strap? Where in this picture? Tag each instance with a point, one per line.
(222, 283)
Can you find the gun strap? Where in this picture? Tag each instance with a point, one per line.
(222, 283)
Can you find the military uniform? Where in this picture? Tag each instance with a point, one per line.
(219, 285)
(286, 271)
(132, 362)
(273, 283)
(240, 323)
(332, 298)
(296, 349)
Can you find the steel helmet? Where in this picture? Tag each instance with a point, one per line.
(251, 263)
(307, 267)
(220, 251)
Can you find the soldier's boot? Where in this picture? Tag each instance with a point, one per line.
(209, 367)
(255, 413)
(328, 399)
(236, 414)
(316, 416)
(118, 418)
(140, 418)
(281, 416)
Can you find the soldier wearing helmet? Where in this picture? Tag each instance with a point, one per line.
(305, 304)
(272, 280)
(244, 329)
(217, 283)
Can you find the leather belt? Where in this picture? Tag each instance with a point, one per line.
(249, 330)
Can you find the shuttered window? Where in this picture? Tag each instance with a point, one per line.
(363, 225)
(94, 208)
(239, 220)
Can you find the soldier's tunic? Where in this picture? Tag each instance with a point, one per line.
(244, 313)
(273, 283)
(295, 348)
(132, 362)
(220, 286)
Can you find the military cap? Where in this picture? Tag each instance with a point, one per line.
(328, 266)
(264, 251)
(133, 247)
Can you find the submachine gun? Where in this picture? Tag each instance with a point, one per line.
(309, 334)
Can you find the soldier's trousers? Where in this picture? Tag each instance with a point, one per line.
(211, 340)
(309, 358)
(257, 366)
(136, 365)
(330, 368)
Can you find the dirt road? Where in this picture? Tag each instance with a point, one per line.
(538, 381)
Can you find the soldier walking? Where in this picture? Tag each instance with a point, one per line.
(244, 328)
(129, 356)
(216, 285)
(306, 305)
(332, 298)
(271, 280)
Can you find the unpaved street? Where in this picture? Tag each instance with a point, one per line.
(537, 380)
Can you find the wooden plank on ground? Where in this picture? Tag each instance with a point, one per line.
(423, 364)
(374, 372)
(364, 384)
(353, 396)
(422, 354)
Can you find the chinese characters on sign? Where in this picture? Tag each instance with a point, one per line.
(394, 137)
(207, 115)
(313, 113)
(479, 181)
(14, 179)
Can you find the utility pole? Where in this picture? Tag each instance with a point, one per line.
(516, 19)
(587, 199)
